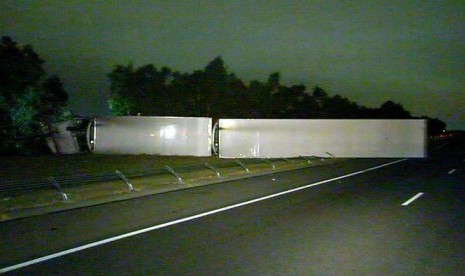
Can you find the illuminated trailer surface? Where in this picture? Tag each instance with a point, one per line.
(276, 138)
(151, 135)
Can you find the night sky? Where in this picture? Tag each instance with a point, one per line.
(408, 51)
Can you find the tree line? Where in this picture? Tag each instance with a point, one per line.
(31, 102)
(214, 92)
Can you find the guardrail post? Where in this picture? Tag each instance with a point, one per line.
(168, 168)
(332, 156)
(121, 175)
(58, 187)
(213, 169)
(269, 162)
(242, 165)
(309, 161)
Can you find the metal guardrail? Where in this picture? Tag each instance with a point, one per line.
(59, 183)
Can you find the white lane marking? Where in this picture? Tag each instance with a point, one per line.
(163, 225)
(452, 171)
(412, 199)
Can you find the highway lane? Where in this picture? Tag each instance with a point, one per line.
(355, 225)
(38, 236)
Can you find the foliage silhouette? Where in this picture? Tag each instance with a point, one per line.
(30, 103)
(214, 92)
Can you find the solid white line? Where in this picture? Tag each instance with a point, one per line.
(163, 225)
(412, 199)
(452, 171)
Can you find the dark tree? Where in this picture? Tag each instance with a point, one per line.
(29, 105)
(337, 107)
(181, 88)
(435, 126)
(392, 110)
(320, 96)
(309, 108)
(123, 100)
(140, 91)
(210, 92)
(287, 102)
(274, 82)
(214, 84)
(213, 92)
(219, 94)
(53, 100)
(261, 99)
(20, 68)
(237, 99)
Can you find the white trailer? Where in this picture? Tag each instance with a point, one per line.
(270, 138)
(150, 135)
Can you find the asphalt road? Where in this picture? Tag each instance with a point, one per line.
(355, 224)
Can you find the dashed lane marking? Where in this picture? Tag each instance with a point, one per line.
(412, 199)
(452, 171)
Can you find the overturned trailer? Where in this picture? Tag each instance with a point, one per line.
(275, 138)
(257, 138)
(150, 135)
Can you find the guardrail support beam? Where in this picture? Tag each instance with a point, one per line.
(121, 175)
(178, 177)
(213, 169)
(57, 186)
(309, 161)
(269, 162)
(242, 165)
(331, 155)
